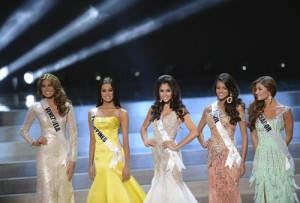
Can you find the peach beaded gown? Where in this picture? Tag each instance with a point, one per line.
(223, 182)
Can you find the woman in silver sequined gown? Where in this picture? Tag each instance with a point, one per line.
(54, 164)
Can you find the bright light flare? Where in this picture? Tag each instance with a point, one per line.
(3, 72)
(28, 77)
(129, 34)
(29, 100)
(28, 14)
(89, 19)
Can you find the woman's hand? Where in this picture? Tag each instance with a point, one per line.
(242, 169)
(41, 141)
(125, 173)
(151, 143)
(92, 172)
(204, 144)
(70, 170)
(170, 144)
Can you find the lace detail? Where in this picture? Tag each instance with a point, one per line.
(223, 182)
(269, 172)
(167, 186)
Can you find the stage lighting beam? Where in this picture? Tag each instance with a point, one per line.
(28, 14)
(129, 34)
(92, 17)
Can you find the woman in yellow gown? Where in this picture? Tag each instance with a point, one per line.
(112, 182)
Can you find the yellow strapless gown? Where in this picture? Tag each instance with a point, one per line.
(108, 186)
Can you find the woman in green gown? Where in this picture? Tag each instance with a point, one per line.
(271, 126)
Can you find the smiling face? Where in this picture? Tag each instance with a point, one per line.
(165, 92)
(47, 89)
(261, 92)
(107, 93)
(221, 90)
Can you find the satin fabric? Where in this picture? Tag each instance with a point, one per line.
(107, 186)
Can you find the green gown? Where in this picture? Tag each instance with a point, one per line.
(269, 166)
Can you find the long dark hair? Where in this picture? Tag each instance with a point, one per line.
(175, 103)
(257, 107)
(232, 87)
(60, 97)
(116, 100)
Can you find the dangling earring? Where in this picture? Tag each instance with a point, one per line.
(229, 99)
(160, 100)
(270, 98)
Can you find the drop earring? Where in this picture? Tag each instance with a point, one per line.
(270, 98)
(229, 99)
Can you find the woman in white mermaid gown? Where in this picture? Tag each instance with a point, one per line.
(166, 116)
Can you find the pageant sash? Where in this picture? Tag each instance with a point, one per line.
(174, 157)
(58, 132)
(117, 153)
(233, 154)
(289, 164)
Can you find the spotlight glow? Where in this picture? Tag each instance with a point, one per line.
(98, 77)
(30, 13)
(29, 100)
(129, 34)
(3, 72)
(28, 77)
(92, 17)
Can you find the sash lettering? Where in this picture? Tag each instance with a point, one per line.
(99, 133)
(117, 154)
(281, 144)
(53, 119)
(233, 154)
(65, 145)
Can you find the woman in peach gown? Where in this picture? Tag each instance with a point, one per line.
(225, 164)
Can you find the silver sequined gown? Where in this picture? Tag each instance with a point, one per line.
(52, 183)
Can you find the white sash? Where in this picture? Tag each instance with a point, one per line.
(117, 152)
(58, 132)
(289, 163)
(233, 154)
(174, 157)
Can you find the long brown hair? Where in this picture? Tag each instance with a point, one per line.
(176, 102)
(230, 108)
(60, 97)
(257, 107)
